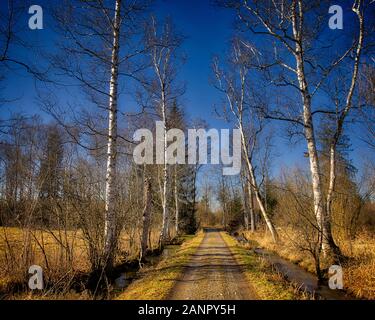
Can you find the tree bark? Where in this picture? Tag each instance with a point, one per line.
(251, 207)
(110, 232)
(237, 107)
(327, 230)
(322, 210)
(340, 122)
(176, 200)
(319, 209)
(246, 213)
(165, 225)
(255, 187)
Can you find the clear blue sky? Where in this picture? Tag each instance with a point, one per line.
(208, 30)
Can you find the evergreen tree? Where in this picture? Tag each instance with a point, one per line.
(51, 165)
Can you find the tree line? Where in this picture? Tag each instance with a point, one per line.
(115, 68)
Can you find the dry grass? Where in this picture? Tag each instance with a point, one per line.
(58, 254)
(61, 254)
(358, 270)
(286, 249)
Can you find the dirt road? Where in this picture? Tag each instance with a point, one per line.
(212, 273)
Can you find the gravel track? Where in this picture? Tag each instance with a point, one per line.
(212, 273)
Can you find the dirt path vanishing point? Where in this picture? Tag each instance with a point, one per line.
(212, 273)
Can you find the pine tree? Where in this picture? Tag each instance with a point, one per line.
(51, 165)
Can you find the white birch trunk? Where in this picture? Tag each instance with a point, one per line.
(110, 232)
(311, 148)
(322, 212)
(255, 187)
(165, 224)
(319, 208)
(327, 232)
(176, 200)
(238, 113)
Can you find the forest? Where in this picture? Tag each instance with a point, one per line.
(84, 82)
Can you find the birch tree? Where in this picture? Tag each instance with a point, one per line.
(176, 120)
(162, 43)
(98, 52)
(298, 60)
(110, 232)
(176, 199)
(235, 86)
(249, 217)
(341, 113)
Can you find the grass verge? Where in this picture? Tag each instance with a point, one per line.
(155, 283)
(268, 284)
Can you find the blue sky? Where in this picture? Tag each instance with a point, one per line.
(208, 30)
